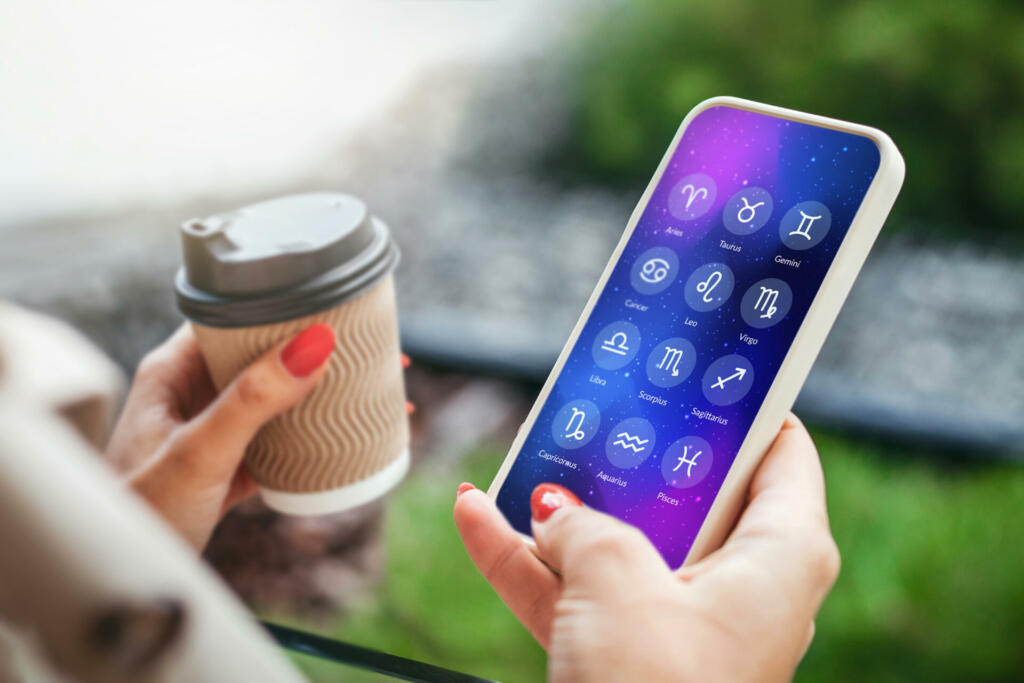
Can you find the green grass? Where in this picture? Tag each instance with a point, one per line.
(434, 606)
(932, 586)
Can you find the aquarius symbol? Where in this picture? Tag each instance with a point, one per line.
(628, 441)
(747, 207)
(708, 285)
(670, 361)
(694, 193)
(805, 226)
(766, 302)
(688, 462)
(576, 432)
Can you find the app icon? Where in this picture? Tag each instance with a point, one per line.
(709, 286)
(747, 211)
(692, 196)
(805, 225)
(630, 443)
(654, 270)
(616, 345)
(728, 379)
(671, 362)
(766, 303)
(686, 462)
(575, 424)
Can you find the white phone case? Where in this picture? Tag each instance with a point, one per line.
(806, 344)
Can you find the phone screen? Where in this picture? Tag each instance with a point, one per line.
(662, 385)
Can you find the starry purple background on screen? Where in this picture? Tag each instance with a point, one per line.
(736, 149)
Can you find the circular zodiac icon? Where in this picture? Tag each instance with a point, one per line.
(692, 197)
(747, 211)
(654, 270)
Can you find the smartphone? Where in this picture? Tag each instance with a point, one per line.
(705, 322)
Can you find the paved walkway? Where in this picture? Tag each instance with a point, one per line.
(497, 265)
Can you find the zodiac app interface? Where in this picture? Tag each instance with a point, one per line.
(673, 364)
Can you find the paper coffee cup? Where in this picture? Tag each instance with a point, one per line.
(255, 277)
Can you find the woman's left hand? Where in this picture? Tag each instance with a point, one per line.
(180, 444)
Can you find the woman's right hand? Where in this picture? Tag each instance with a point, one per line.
(616, 612)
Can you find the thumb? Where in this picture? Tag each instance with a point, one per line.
(593, 551)
(273, 383)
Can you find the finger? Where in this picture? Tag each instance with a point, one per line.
(595, 553)
(784, 530)
(792, 467)
(503, 558)
(810, 639)
(167, 381)
(174, 374)
(410, 407)
(177, 351)
(243, 486)
(181, 342)
(199, 391)
(787, 493)
(215, 441)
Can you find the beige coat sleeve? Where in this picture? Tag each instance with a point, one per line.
(93, 585)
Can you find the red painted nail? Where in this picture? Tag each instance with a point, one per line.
(406, 362)
(308, 350)
(547, 498)
(463, 487)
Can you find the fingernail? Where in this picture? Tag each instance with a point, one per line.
(308, 350)
(406, 362)
(547, 498)
(410, 407)
(463, 487)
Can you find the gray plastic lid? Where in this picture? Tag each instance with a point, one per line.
(280, 259)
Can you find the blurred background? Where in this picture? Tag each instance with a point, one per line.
(480, 130)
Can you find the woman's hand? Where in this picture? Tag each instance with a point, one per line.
(181, 445)
(744, 613)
